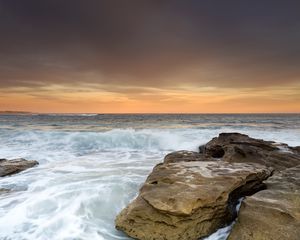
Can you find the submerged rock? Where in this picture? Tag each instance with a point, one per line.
(188, 200)
(9, 167)
(273, 213)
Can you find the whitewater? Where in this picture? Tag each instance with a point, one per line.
(92, 165)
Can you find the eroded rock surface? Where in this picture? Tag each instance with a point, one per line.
(273, 213)
(9, 167)
(236, 147)
(185, 156)
(189, 199)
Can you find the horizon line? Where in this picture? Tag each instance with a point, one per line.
(139, 113)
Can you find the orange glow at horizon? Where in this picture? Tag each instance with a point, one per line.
(62, 99)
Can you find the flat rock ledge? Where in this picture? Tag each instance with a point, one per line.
(9, 167)
(192, 194)
(188, 200)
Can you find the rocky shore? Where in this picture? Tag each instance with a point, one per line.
(192, 194)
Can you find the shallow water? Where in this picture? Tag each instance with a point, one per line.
(91, 166)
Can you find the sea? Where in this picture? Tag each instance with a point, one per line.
(92, 165)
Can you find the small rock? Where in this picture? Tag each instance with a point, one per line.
(4, 190)
(9, 167)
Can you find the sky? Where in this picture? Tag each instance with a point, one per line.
(159, 56)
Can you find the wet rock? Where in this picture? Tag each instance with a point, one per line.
(189, 199)
(236, 147)
(4, 190)
(273, 213)
(9, 167)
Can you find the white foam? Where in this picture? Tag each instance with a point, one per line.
(284, 149)
(221, 234)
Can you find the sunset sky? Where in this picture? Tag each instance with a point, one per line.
(161, 56)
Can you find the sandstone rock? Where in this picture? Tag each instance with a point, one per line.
(189, 199)
(9, 167)
(272, 214)
(185, 156)
(236, 147)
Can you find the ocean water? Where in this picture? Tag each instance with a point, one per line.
(92, 165)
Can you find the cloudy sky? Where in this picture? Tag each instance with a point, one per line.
(150, 56)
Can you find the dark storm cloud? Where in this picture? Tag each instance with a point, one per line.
(149, 43)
